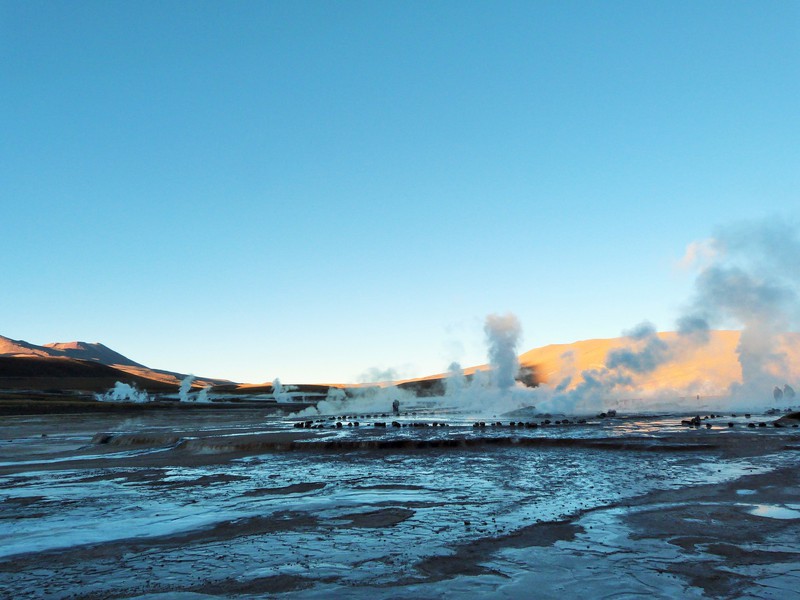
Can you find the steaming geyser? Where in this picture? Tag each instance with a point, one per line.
(122, 392)
(186, 387)
(502, 336)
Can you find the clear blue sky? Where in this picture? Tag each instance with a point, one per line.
(308, 190)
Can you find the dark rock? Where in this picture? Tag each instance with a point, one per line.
(792, 418)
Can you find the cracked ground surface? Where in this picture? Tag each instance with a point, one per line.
(673, 514)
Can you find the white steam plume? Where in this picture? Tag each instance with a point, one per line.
(455, 382)
(378, 375)
(753, 283)
(281, 392)
(122, 392)
(749, 279)
(502, 336)
(186, 387)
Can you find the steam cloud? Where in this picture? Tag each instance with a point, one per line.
(377, 375)
(186, 387)
(455, 382)
(749, 278)
(122, 392)
(281, 392)
(502, 336)
(753, 283)
(653, 353)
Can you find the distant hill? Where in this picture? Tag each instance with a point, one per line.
(707, 369)
(93, 351)
(9, 347)
(83, 352)
(62, 374)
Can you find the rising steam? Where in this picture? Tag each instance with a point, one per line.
(752, 283)
(123, 392)
(502, 336)
(748, 279)
(186, 387)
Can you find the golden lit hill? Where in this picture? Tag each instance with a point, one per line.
(702, 369)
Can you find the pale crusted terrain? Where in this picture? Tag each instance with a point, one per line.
(240, 505)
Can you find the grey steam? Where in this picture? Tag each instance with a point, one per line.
(753, 282)
(502, 336)
(749, 279)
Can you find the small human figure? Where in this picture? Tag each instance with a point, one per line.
(396, 407)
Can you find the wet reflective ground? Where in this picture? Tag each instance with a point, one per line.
(244, 504)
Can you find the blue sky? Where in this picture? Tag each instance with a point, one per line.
(308, 190)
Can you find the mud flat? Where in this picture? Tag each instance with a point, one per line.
(247, 505)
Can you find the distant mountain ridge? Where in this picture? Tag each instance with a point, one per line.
(93, 351)
(707, 369)
(9, 347)
(96, 352)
